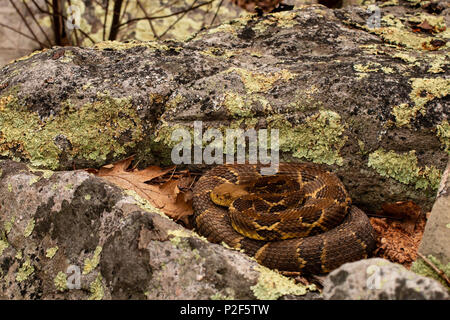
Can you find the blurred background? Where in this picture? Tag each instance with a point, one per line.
(29, 25)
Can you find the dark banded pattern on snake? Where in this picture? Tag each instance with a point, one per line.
(351, 239)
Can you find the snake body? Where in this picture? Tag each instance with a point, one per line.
(332, 231)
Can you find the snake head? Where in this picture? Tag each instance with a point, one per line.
(225, 193)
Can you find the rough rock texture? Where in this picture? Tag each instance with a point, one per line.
(370, 103)
(124, 249)
(435, 244)
(379, 279)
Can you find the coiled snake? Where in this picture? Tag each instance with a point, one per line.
(331, 230)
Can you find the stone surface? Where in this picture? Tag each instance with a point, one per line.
(367, 103)
(436, 237)
(435, 244)
(379, 279)
(52, 223)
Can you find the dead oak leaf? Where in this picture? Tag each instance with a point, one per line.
(165, 196)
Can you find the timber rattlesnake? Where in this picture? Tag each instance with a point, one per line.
(333, 231)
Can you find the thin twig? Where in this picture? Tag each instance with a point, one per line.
(179, 18)
(149, 20)
(26, 24)
(38, 24)
(215, 14)
(164, 16)
(17, 31)
(435, 268)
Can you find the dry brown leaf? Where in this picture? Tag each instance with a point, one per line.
(399, 239)
(407, 212)
(165, 196)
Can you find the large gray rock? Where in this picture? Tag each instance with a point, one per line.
(435, 244)
(371, 104)
(379, 279)
(53, 223)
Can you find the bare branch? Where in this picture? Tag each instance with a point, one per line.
(35, 38)
(37, 23)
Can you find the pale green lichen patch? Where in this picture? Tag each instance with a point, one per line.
(403, 114)
(29, 228)
(421, 267)
(236, 105)
(96, 289)
(24, 271)
(443, 132)
(404, 168)
(260, 82)
(438, 63)
(318, 139)
(369, 67)
(33, 180)
(26, 133)
(271, 285)
(45, 173)
(60, 281)
(3, 246)
(50, 252)
(118, 46)
(9, 224)
(422, 92)
(219, 296)
(91, 263)
(395, 32)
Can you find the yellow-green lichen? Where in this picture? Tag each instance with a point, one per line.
(45, 173)
(87, 197)
(236, 105)
(60, 281)
(93, 130)
(19, 255)
(9, 224)
(33, 180)
(260, 82)
(271, 285)
(395, 32)
(369, 67)
(403, 114)
(318, 139)
(404, 168)
(50, 252)
(443, 132)
(3, 246)
(438, 63)
(24, 271)
(422, 92)
(421, 267)
(219, 296)
(96, 289)
(91, 264)
(29, 228)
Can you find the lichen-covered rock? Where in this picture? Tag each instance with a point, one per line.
(435, 244)
(379, 279)
(57, 227)
(369, 103)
